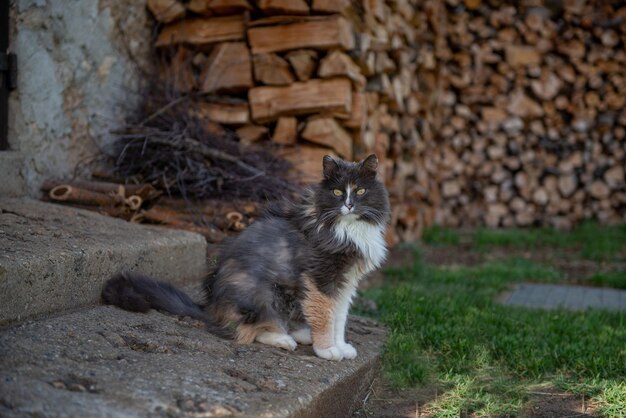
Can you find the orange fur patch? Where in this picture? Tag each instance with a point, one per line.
(319, 311)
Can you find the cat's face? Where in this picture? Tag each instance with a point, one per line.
(351, 191)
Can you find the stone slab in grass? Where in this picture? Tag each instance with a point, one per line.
(575, 298)
(106, 362)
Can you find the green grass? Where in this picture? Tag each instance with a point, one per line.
(595, 242)
(616, 279)
(446, 329)
(437, 235)
(521, 238)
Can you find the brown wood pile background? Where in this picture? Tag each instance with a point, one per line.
(480, 112)
(531, 115)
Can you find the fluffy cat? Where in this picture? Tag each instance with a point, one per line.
(290, 277)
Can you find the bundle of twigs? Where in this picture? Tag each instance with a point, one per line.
(174, 149)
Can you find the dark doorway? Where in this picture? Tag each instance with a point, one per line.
(7, 74)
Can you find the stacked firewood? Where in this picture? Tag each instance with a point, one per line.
(315, 77)
(480, 112)
(530, 121)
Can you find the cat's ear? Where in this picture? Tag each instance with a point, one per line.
(330, 166)
(370, 163)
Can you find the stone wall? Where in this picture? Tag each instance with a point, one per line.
(79, 66)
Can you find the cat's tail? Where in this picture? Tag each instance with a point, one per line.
(138, 293)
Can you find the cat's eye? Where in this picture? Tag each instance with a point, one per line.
(360, 192)
(337, 192)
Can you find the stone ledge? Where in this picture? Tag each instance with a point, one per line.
(55, 258)
(104, 361)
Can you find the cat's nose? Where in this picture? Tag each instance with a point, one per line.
(349, 206)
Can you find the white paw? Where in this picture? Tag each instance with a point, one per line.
(286, 342)
(348, 351)
(302, 336)
(330, 353)
(277, 340)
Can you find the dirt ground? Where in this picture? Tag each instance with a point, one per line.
(382, 401)
(385, 402)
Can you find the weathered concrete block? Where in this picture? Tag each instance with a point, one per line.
(55, 258)
(105, 362)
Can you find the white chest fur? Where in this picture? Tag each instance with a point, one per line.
(368, 238)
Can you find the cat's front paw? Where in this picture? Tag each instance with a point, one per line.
(275, 339)
(330, 353)
(287, 343)
(348, 351)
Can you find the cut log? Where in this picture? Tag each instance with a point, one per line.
(306, 161)
(180, 71)
(202, 31)
(495, 212)
(540, 196)
(288, 7)
(286, 131)
(599, 190)
(330, 6)
(303, 62)
(547, 87)
(376, 8)
(339, 64)
(614, 177)
(227, 69)
(218, 7)
(198, 6)
(251, 133)
(145, 191)
(384, 64)
(358, 116)
(268, 103)
(271, 69)
(517, 55)
(328, 132)
(567, 184)
(472, 4)
(523, 106)
(328, 33)
(73, 194)
(166, 10)
(450, 188)
(224, 113)
(574, 48)
(493, 116)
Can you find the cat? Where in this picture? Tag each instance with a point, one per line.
(290, 277)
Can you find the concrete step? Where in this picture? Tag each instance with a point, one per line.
(54, 258)
(105, 362)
